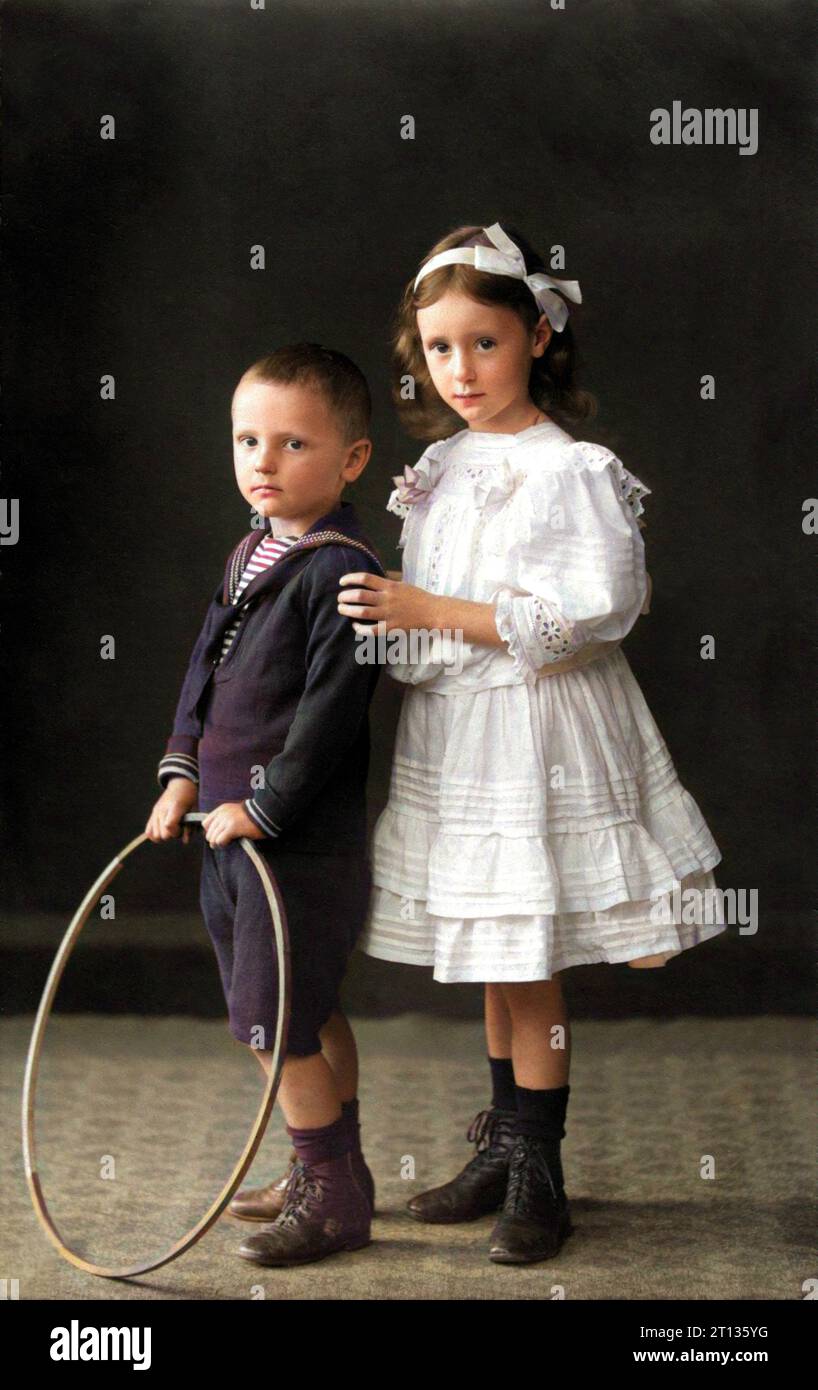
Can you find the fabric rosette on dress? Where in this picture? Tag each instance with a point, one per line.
(417, 483)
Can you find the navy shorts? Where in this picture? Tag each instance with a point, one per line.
(325, 900)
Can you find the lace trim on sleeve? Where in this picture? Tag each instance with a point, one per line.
(534, 631)
(393, 505)
(631, 489)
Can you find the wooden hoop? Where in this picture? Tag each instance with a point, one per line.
(282, 945)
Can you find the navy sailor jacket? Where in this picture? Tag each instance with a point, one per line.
(282, 723)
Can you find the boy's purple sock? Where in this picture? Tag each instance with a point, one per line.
(325, 1142)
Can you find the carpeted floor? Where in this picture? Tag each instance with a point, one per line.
(141, 1119)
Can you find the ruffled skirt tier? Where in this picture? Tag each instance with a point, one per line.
(530, 828)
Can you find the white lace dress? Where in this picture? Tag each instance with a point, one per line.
(535, 821)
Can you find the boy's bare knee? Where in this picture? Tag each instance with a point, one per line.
(262, 1056)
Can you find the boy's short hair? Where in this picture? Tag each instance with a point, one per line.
(334, 374)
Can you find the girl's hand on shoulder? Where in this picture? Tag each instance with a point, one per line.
(388, 603)
(229, 822)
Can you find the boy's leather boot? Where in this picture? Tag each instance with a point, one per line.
(536, 1216)
(325, 1210)
(265, 1203)
(480, 1187)
(262, 1203)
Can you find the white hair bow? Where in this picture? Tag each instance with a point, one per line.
(504, 257)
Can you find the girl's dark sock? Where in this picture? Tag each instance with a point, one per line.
(503, 1095)
(542, 1113)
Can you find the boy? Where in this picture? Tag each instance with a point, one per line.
(271, 736)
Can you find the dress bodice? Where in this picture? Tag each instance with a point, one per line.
(537, 516)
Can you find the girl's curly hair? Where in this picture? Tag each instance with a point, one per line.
(552, 384)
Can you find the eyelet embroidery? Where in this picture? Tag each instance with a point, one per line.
(632, 491)
(474, 472)
(630, 488)
(487, 484)
(555, 638)
(438, 542)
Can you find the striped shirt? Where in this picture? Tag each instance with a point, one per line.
(265, 554)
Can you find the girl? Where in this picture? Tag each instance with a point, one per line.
(535, 819)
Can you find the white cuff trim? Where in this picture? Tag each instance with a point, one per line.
(535, 632)
(262, 821)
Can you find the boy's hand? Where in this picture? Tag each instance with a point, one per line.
(164, 822)
(228, 822)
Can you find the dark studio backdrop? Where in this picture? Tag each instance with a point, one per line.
(282, 127)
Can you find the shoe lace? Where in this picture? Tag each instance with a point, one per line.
(483, 1129)
(528, 1169)
(303, 1189)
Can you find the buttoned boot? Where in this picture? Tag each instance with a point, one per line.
(480, 1187)
(325, 1210)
